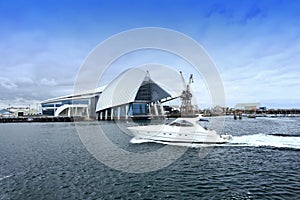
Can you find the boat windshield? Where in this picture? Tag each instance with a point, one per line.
(181, 122)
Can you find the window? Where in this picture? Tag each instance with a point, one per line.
(138, 109)
(181, 122)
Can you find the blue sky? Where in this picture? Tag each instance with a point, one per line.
(254, 44)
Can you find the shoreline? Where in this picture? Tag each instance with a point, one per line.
(41, 119)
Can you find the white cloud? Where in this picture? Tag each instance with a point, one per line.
(254, 46)
(48, 82)
(7, 83)
(24, 80)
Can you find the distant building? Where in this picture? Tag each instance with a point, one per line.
(82, 104)
(218, 110)
(21, 111)
(247, 106)
(132, 94)
(5, 113)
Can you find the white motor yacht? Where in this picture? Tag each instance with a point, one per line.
(181, 130)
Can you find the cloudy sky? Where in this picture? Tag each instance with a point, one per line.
(254, 44)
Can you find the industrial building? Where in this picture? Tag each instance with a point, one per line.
(133, 94)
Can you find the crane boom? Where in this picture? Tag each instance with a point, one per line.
(182, 80)
(191, 80)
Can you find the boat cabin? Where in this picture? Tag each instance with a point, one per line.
(181, 122)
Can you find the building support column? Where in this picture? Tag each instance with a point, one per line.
(126, 111)
(87, 112)
(149, 108)
(69, 112)
(155, 109)
(162, 109)
(119, 110)
(106, 114)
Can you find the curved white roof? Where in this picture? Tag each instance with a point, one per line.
(121, 90)
(124, 89)
(83, 95)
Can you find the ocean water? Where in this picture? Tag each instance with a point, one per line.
(49, 161)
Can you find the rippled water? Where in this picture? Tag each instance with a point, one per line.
(48, 161)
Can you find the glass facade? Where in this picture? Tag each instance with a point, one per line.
(69, 102)
(138, 109)
(123, 111)
(51, 105)
(49, 112)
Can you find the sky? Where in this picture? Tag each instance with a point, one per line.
(255, 45)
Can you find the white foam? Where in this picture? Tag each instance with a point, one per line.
(139, 141)
(5, 177)
(266, 140)
(256, 140)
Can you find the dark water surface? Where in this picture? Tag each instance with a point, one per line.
(49, 161)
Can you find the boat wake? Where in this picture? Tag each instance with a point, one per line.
(256, 140)
(139, 141)
(266, 140)
(5, 177)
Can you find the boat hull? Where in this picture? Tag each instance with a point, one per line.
(209, 137)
